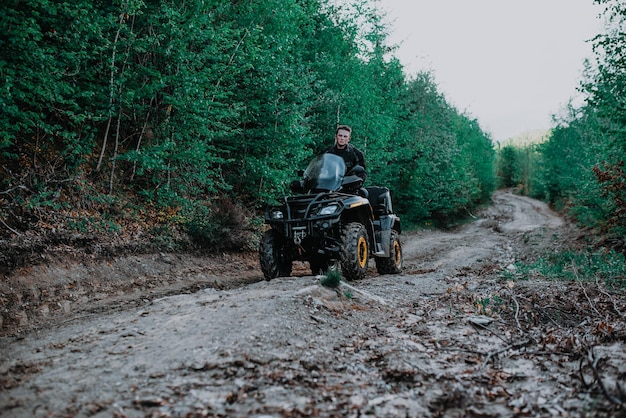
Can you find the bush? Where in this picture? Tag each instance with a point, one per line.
(221, 225)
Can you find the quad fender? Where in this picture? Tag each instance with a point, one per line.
(358, 209)
(357, 201)
(388, 223)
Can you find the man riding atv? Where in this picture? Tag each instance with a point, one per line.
(328, 221)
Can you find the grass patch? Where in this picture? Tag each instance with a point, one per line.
(332, 278)
(607, 267)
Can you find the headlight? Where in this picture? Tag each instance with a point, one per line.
(329, 210)
(277, 214)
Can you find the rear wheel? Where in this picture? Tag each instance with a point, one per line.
(354, 251)
(393, 263)
(271, 256)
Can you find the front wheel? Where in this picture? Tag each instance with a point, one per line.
(393, 263)
(271, 256)
(354, 251)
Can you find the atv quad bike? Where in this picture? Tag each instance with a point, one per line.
(331, 220)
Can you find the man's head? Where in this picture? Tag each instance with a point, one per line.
(342, 136)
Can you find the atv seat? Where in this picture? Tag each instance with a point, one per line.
(380, 200)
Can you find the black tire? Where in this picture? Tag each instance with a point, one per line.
(319, 264)
(354, 251)
(393, 263)
(270, 251)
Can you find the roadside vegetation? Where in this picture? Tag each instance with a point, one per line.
(578, 167)
(607, 268)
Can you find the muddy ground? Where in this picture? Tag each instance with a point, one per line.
(459, 333)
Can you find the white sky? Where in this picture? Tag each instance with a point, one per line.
(511, 64)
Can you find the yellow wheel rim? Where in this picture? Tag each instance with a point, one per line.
(397, 251)
(362, 252)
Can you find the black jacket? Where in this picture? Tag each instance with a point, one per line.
(351, 155)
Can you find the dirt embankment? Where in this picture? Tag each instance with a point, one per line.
(171, 335)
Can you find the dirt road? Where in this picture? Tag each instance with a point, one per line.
(441, 339)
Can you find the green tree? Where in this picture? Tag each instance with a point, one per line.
(193, 105)
(51, 90)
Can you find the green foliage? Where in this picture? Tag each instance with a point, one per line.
(440, 163)
(90, 225)
(332, 278)
(507, 166)
(489, 304)
(203, 227)
(219, 225)
(50, 86)
(607, 267)
(176, 104)
(517, 167)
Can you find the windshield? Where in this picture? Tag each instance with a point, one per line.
(324, 172)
